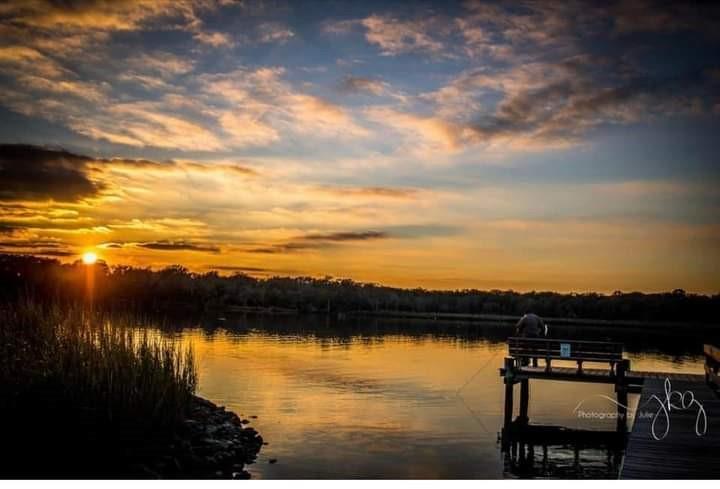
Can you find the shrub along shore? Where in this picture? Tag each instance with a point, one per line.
(86, 394)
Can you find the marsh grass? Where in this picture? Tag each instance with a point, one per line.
(83, 375)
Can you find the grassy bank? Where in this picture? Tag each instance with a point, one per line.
(83, 388)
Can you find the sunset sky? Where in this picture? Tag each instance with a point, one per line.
(535, 145)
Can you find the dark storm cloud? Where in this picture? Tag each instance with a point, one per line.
(35, 173)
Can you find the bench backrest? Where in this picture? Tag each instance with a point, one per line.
(588, 351)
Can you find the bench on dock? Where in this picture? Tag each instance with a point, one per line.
(578, 351)
(522, 350)
(712, 365)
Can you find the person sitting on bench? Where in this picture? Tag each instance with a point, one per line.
(531, 326)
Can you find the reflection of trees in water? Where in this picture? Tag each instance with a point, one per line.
(327, 330)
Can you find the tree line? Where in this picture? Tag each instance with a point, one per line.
(178, 288)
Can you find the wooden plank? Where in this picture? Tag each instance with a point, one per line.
(681, 454)
(566, 374)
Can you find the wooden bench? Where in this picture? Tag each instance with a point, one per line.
(579, 351)
(712, 365)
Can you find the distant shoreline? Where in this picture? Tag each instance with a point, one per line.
(474, 318)
(449, 316)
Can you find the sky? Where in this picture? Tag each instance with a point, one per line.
(528, 145)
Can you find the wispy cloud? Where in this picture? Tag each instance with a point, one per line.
(353, 84)
(372, 192)
(315, 241)
(274, 32)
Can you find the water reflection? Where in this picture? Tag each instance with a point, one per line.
(569, 460)
(398, 399)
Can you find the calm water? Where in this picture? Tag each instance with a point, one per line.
(390, 399)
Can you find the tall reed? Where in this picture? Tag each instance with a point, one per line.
(94, 367)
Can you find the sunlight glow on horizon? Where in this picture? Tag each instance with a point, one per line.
(89, 258)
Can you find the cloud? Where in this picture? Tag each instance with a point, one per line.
(315, 241)
(214, 39)
(411, 231)
(45, 247)
(434, 132)
(26, 243)
(148, 124)
(183, 166)
(355, 84)
(395, 36)
(255, 108)
(89, 91)
(160, 63)
(37, 173)
(247, 129)
(345, 236)
(99, 15)
(33, 173)
(68, 29)
(654, 16)
(163, 245)
(274, 32)
(372, 192)
(20, 60)
(178, 246)
(545, 104)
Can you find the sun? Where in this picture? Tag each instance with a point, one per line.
(89, 258)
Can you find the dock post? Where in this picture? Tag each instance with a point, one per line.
(524, 400)
(621, 391)
(509, 382)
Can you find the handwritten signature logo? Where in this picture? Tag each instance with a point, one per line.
(672, 400)
(666, 406)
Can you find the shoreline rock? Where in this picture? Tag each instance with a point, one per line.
(212, 443)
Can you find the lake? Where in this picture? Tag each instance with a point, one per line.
(376, 398)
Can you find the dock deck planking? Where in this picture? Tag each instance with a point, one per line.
(681, 454)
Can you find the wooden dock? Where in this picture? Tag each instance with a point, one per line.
(675, 439)
(682, 454)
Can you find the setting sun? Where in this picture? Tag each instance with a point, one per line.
(89, 258)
